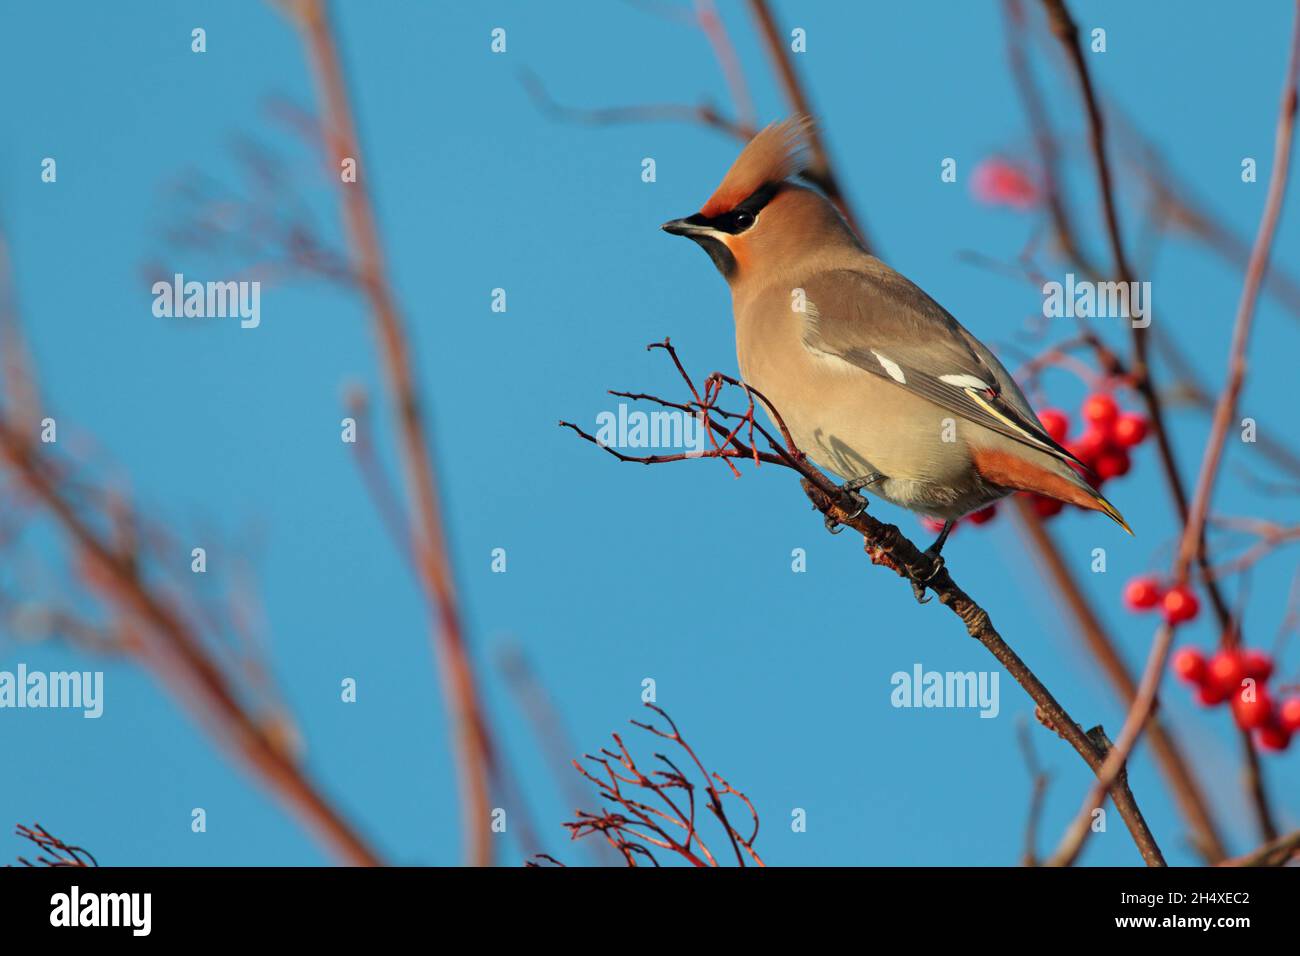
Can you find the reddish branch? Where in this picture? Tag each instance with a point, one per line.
(1039, 781)
(1186, 789)
(821, 171)
(149, 619)
(56, 852)
(171, 643)
(661, 808)
(885, 545)
(1277, 852)
(1138, 371)
(428, 539)
(1193, 535)
(705, 114)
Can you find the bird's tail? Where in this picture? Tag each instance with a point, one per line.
(1099, 503)
(1043, 475)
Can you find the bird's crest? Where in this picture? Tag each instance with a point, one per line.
(776, 153)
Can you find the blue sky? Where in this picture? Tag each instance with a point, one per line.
(616, 573)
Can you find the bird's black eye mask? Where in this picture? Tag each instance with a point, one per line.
(743, 216)
(733, 222)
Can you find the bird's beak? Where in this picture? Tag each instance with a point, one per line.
(690, 226)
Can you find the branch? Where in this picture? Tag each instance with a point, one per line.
(428, 539)
(886, 545)
(821, 172)
(175, 648)
(642, 823)
(1274, 853)
(60, 853)
(1192, 538)
(1186, 790)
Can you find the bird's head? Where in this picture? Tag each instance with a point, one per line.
(758, 217)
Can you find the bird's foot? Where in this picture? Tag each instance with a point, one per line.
(850, 489)
(936, 562)
(925, 576)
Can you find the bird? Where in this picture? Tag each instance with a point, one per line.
(876, 382)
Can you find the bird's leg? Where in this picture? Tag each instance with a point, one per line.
(935, 548)
(936, 561)
(850, 488)
(856, 483)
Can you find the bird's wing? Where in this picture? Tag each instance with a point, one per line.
(880, 322)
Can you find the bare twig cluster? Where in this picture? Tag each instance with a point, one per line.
(662, 808)
(54, 852)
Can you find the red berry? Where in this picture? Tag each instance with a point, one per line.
(1288, 714)
(1255, 713)
(1273, 737)
(1100, 409)
(983, 516)
(1047, 507)
(1000, 182)
(1179, 604)
(1055, 422)
(1129, 429)
(1255, 663)
(1090, 444)
(1142, 594)
(1210, 694)
(1111, 464)
(1225, 672)
(1189, 664)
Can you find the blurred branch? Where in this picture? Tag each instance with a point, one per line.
(1138, 371)
(704, 114)
(148, 622)
(172, 645)
(1039, 781)
(428, 537)
(1276, 852)
(1193, 535)
(546, 724)
(821, 172)
(1178, 775)
(1182, 209)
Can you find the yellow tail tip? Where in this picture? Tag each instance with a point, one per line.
(1108, 509)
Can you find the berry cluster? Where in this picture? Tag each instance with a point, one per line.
(1177, 604)
(1103, 446)
(1240, 676)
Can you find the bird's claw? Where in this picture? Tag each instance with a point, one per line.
(918, 590)
(858, 500)
(834, 525)
(919, 583)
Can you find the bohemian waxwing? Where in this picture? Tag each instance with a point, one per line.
(875, 380)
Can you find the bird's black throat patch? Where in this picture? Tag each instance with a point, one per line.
(719, 253)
